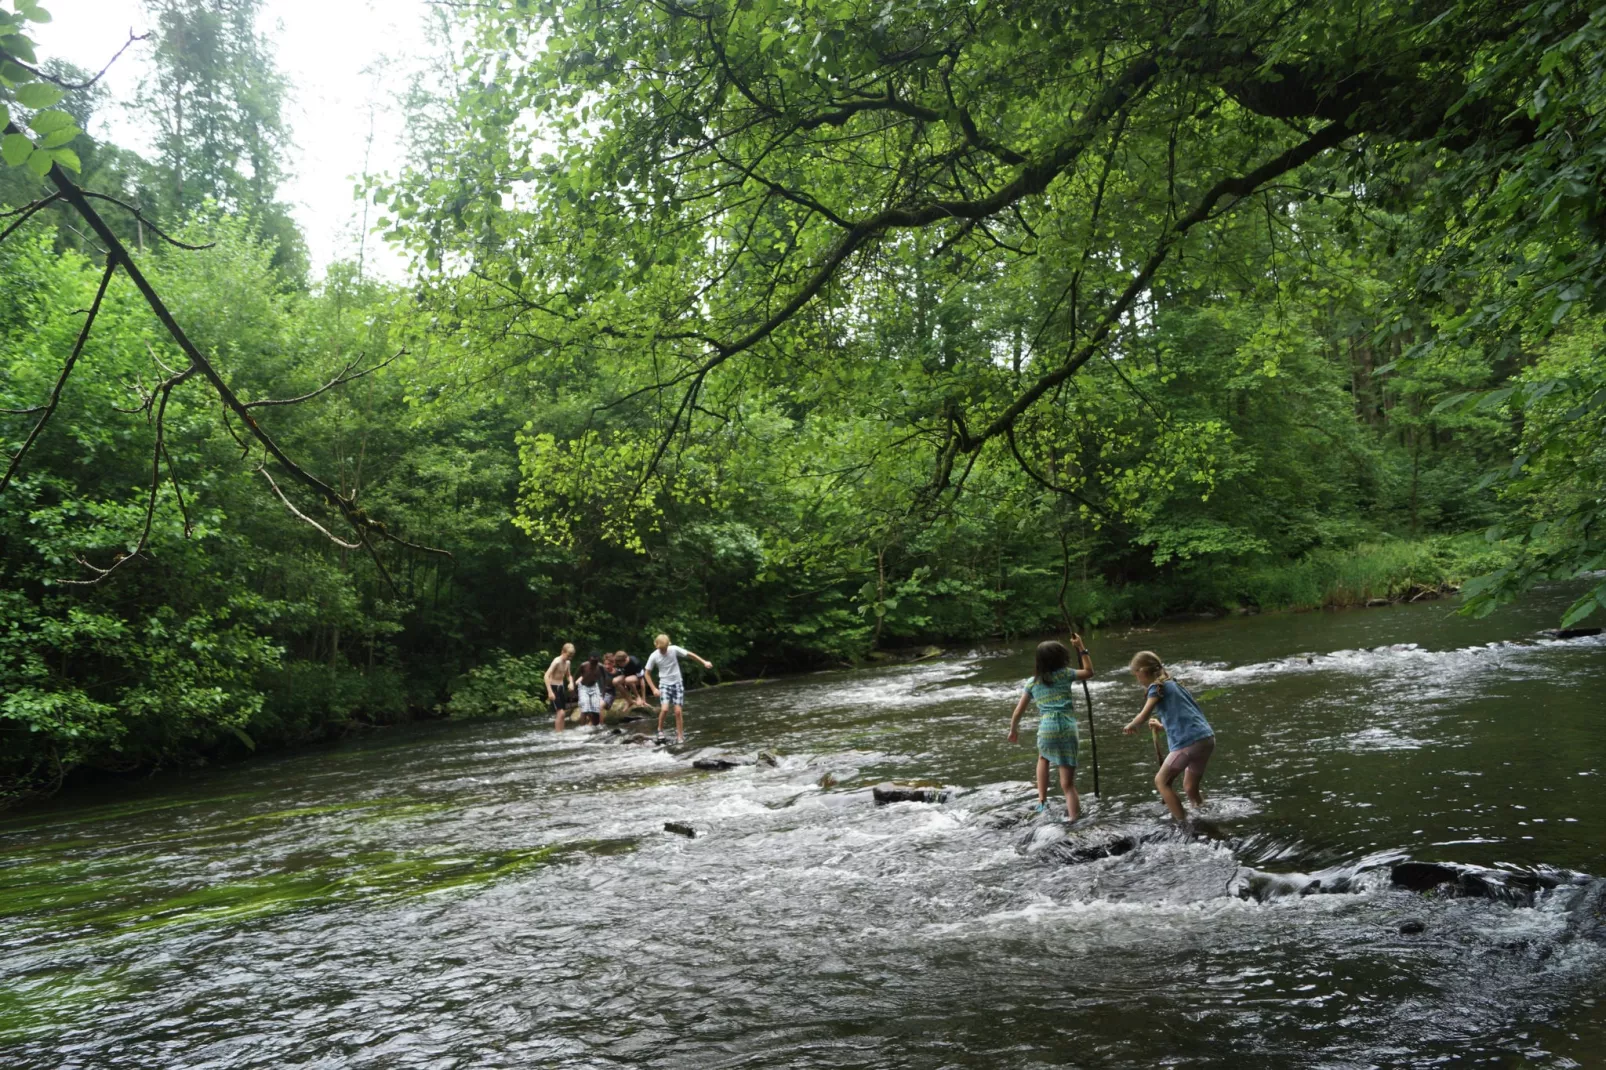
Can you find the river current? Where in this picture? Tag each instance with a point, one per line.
(493, 895)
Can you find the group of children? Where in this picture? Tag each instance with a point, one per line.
(602, 678)
(1167, 705)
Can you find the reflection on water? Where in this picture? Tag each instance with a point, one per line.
(492, 895)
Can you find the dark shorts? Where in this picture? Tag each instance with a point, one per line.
(560, 696)
(1193, 758)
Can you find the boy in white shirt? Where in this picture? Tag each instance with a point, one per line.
(666, 659)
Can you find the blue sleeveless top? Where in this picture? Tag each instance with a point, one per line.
(1184, 722)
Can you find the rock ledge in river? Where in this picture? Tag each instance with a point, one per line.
(889, 792)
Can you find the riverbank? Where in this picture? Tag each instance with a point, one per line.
(1382, 572)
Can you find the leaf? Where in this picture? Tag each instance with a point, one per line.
(37, 95)
(68, 159)
(39, 162)
(15, 149)
(57, 138)
(1581, 609)
(48, 122)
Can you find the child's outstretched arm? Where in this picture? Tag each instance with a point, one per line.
(699, 659)
(1148, 708)
(1014, 720)
(1084, 660)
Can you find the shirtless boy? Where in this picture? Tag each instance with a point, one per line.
(558, 681)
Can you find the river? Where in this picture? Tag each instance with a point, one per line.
(492, 895)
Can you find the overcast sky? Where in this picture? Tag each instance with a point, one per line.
(324, 47)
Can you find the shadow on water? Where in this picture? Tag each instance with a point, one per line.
(1395, 868)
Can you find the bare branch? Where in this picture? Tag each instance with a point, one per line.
(341, 379)
(303, 517)
(61, 380)
(26, 212)
(64, 84)
(137, 214)
(158, 452)
(118, 253)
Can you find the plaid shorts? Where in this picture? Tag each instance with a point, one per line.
(673, 694)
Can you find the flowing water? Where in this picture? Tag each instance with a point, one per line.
(488, 895)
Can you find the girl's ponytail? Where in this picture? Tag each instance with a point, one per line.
(1149, 662)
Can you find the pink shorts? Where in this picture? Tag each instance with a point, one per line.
(1193, 758)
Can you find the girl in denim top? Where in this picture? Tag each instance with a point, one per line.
(1187, 733)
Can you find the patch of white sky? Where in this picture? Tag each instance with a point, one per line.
(348, 63)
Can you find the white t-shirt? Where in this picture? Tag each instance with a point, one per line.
(667, 664)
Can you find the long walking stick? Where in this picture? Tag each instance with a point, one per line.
(1070, 628)
(1092, 736)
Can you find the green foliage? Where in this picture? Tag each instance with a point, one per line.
(505, 686)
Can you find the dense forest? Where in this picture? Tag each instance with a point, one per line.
(797, 330)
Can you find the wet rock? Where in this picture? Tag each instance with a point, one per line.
(1470, 882)
(1422, 876)
(827, 782)
(719, 763)
(680, 828)
(1413, 927)
(766, 758)
(1572, 633)
(889, 792)
(1374, 602)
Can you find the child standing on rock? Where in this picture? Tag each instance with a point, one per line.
(591, 680)
(670, 688)
(557, 680)
(1053, 689)
(1188, 735)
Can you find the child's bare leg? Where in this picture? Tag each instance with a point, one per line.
(680, 724)
(663, 711)
(1190, 785)
(1042, 781)
(1073, 799)
(1168, 794)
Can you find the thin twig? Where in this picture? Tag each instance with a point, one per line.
(339, 380)
(303, 517)
(137, 214)
(63, 83)
(26, 213)
(61, 380)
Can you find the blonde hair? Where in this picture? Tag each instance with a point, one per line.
(661, 642)
(568, 648)
(1148, 663)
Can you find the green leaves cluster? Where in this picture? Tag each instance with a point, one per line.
(28, 99)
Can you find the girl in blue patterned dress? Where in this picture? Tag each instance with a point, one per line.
(1052, 688)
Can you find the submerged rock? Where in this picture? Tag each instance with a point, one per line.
(888, 792)
(1413, 926)
(680, 828)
